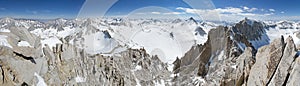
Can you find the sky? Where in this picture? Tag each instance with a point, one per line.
(203, 9)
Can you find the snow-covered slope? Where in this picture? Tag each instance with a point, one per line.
(166, 38)
(283, 28)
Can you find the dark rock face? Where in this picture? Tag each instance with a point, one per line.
(200, 31)
(205, 58)
(253, 30)
(191, 19)
(106, 34)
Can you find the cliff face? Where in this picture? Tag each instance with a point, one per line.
(230, 57)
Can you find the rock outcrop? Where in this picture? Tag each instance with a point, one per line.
(284, 67)
(269, 56)
(66, 64)
(230, 57)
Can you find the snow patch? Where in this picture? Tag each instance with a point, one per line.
(221, 55)
(233, 66)
(173, 75)
(4, 42)
(97, 43)
(66, 32)
(170, 67)
(159, 43)
(138, 67)
(79, 79)
(264, 40)
(4, 30)
(296, 39)
(137, 82)
(51, 42)
(24, 44)
(198, 81)
(41, 81)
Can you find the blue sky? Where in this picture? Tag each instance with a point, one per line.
(40, 8)
(225, 9)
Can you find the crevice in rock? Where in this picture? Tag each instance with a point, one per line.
(25, 57)
(283, 47)
(290, 68)
(286, 79)
(3, 75)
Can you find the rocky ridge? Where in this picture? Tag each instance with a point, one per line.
(229, 58)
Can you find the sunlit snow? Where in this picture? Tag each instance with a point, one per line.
(4, 42)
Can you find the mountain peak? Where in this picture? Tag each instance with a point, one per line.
(61, 20)
(191, 19)
(248, 21)
(6, 19)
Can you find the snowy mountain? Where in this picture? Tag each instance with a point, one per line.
(122, 51)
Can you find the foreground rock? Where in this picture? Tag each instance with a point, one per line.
(132, 67)
(267, 59)
(284, 67)
(233, 56)
(66, 64)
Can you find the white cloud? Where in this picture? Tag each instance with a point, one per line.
(229, 10)
(249, 9)
(225, 13)
(155, 13)
(268, 14)
(174, 13)
(272, 10)
(247, 14)
(246, 8)
(252, 9)
(282, 12)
